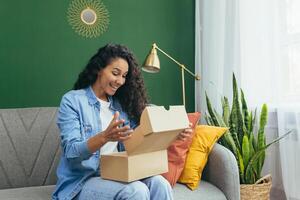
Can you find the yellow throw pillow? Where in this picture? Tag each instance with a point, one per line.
(203, 141)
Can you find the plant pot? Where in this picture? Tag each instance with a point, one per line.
(259, 190)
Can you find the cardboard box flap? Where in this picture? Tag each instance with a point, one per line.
(162, 120)
(158, 128)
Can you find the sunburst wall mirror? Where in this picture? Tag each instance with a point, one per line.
(89, 18)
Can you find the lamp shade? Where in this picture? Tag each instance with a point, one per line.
(151, 63)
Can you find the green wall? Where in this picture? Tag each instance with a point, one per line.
(41, 56)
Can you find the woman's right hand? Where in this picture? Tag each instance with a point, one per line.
(112, 133)
(116, 133)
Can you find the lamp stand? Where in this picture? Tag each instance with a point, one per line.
(183, 86)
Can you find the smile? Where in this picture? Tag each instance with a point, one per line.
(114, 87)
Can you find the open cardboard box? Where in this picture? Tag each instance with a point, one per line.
(146, 150)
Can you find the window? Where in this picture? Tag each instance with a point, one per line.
(290, 50)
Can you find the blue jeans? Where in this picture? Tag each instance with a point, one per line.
(155, 187)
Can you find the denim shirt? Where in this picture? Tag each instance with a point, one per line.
(78, 120)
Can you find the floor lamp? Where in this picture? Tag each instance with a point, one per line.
(152, 65)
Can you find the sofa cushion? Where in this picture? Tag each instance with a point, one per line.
(207, 191)
(203, 142)
(27, 193)
(177, 153)
(29, 141)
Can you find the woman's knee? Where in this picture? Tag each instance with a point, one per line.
(157, 182)
(159, 187)
(135, 191)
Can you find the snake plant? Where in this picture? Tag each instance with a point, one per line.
(247, 145)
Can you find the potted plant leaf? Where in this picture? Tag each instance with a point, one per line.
(246, 143)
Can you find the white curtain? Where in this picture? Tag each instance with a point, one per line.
(259, 40)
(289, 118)
(217, 49)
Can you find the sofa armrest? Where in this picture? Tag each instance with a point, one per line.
(222, 171)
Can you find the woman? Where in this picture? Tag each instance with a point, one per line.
(94, 119)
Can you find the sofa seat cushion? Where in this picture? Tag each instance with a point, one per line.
(27, 193)
(205, 191)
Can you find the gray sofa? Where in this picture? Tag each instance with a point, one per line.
(30, 150)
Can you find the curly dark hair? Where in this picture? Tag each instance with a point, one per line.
(132, 95)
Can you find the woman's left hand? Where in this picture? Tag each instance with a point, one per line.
(186, 133)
